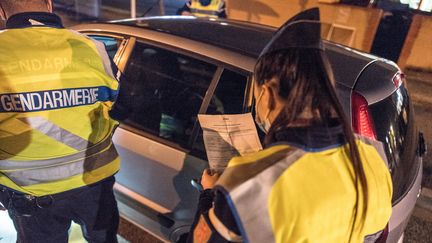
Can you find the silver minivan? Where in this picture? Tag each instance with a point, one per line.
(177, 67)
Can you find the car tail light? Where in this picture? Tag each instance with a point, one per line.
(361, 120)
(398, 79)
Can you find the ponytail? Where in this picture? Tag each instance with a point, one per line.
(360, 176)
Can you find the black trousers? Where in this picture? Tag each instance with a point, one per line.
(48, 219)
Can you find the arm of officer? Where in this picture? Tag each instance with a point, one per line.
(122, 105)
(215, 219)
(200, 231)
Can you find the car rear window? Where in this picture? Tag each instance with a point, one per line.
(392, 118)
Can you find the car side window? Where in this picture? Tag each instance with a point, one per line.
(111, 44)
(165, 91)
(228, 98)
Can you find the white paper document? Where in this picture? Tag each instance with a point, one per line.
(226, 136)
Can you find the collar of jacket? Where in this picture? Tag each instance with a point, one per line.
(312, 138)
(33, 19)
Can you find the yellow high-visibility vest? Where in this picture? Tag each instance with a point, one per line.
(285, 194)
(211, 10)
(56, 88)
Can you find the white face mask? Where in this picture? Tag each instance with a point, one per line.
(263, 125)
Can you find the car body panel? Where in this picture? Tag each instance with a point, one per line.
(166, 40)
(217, 46)
(224, 33)
(347, 63)
(133, 149)
(403, 209)
(375, 87)
(158, 176)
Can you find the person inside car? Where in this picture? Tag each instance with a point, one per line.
(315, 181)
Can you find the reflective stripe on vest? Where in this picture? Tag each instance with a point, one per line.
(211, 10)
(222, 229)
(249, 200)
(55, 132)
(249, 187)
(39, 171)
(376, 144)
(44, 100)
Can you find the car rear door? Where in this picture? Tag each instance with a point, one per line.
(164, 90)
(160, 141)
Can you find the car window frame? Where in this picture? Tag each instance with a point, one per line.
(203, 107)
(247, 99)
(120, 50)
(123, 59)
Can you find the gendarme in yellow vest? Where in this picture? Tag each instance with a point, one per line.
(56, 88)
(285, 194)
(211, 10)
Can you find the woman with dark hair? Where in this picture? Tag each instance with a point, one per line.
(315, 181)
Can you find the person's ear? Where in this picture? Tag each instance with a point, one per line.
(268, 97)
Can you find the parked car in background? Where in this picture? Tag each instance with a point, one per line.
(178, 67)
